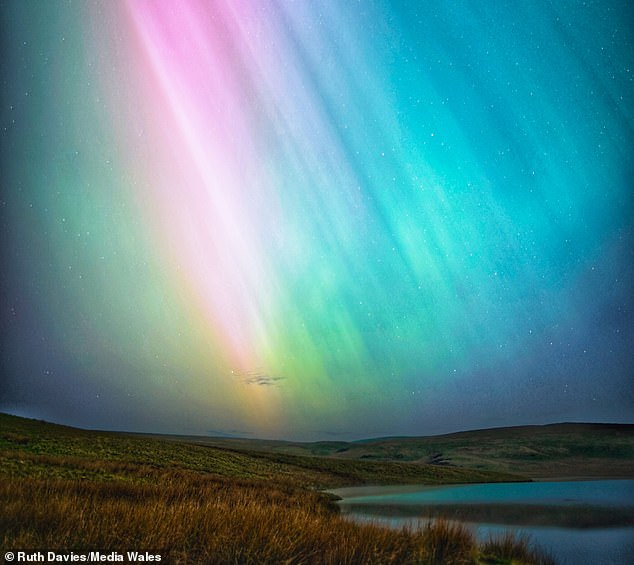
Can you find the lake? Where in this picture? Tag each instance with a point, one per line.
(578, 522)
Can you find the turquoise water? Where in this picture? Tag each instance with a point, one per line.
(610, 493)
(583, 508)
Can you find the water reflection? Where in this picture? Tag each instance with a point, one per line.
(577, 521)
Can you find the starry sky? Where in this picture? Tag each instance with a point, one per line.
(317, 219)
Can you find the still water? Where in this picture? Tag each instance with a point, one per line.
(578, 522)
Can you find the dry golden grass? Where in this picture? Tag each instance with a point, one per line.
(192, 519)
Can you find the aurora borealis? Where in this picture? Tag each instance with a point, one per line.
(304, 220)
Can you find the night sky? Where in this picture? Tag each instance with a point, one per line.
(304, 219)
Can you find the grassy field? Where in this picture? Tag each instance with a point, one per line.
(32, 448)
(67, 489)
(553, 451)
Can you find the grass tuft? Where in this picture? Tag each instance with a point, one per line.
(509, 548)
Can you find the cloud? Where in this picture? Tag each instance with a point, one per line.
(258, 378)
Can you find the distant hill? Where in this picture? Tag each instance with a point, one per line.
(565, 450)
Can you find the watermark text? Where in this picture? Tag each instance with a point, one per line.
(82, 557)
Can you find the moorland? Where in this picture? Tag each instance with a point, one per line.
(217, 500)
(548, 452)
